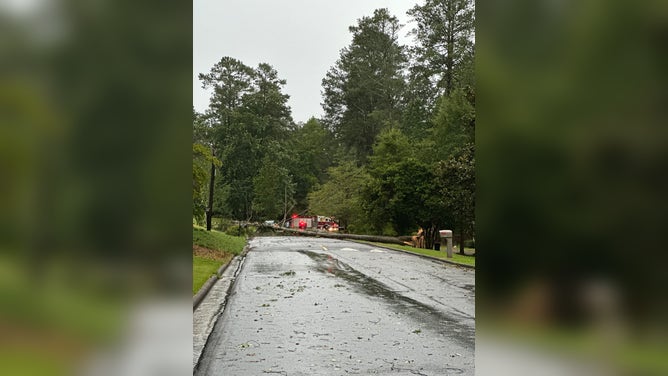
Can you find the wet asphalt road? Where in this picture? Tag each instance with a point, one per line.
(315, 306)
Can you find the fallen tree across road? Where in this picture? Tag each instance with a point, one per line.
(336, 235)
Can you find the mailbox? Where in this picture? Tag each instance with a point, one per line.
(447, 235)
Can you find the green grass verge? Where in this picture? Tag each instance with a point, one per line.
(218, 241)
(222, 248)
(468, 260)
(203, 268)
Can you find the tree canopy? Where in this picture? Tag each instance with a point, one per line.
(362, 92)
(393, 152)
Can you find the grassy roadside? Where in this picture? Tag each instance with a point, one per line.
(203, 268)
(211, 249)
(468, 260)
(218, 241)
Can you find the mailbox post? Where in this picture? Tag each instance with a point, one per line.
(447, 235)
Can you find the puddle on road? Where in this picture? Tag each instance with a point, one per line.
(427, 315)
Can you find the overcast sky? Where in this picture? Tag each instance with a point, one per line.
(301, 39)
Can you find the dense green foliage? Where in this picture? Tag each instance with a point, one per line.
(394, 150)
(312, 152)
(341, 196)
(406, 194)
(202, 159)
(269, 163)
(363, 90)
(274, 189)
(456, 179)
(445, 49)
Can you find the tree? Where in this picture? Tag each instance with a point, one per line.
(391, 148)
(262, 125)
(405, 194)
(340, 196)
(274, 190)
(456, 177)
(265, 111)
(201, 129)
(202, 158)
(230, 80)
(362, 92)
(418, 104)
(445, 46)
(311, 151)
(454, 124)
(249, 116)
(203, 150)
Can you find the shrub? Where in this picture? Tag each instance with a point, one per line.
(221, 224)
(388, 230)
(245, 230)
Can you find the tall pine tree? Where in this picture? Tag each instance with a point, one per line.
(363, 90)
(445, 43)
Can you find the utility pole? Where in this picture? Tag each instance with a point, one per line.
(285, 201)
(209, 209)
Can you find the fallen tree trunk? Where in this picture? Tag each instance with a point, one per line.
(335, 235)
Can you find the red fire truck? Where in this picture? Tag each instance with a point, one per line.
(302, 222)
(316, 222)
(327, 223)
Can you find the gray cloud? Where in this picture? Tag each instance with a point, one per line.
(300, 38)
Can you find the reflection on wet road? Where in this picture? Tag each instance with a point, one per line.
(312, 306)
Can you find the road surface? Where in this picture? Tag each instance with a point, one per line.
(315, 306)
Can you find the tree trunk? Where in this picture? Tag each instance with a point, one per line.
(336, 235)
(430, 236)
(209, 209)
(449, 59)
(461, 238)
(285, 203)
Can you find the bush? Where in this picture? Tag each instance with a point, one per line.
(221, 224)
(389, 230)
(245, 230)
(469, 243)
(233, 231)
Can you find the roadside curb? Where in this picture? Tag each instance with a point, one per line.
(213, 302)
(423, 256)
(197, 299)
(204, 290)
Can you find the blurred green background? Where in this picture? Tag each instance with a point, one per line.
(95, 111)
(573, 172)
